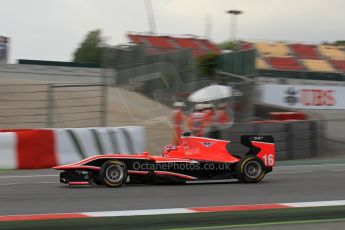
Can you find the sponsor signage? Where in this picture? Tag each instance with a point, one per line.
(304, 96)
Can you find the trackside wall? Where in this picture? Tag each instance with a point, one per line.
(45, 148)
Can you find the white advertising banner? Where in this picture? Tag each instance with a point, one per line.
(304, 96)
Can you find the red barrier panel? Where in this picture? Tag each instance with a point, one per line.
(281, 116)
(36, 149)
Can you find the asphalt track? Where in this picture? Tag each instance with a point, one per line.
(38, 191)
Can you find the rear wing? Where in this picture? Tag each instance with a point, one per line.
(261, 146)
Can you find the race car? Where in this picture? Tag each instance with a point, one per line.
(194, 159)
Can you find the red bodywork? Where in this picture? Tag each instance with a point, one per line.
(204, 149)
(195, 158)
(190, 149)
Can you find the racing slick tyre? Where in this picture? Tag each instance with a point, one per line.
(113, 173)
(250, 169)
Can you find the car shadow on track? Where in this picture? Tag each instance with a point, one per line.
(201, 183)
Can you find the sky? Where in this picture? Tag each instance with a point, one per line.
(53, 29)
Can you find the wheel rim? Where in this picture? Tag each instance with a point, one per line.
(253, 169)
(114, 173)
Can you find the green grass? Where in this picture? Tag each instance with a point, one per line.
(3, 171)
(264, 224)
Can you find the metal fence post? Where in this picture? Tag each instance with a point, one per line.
(50, 106)
(104, 107)
(290, 141)
(104, 98)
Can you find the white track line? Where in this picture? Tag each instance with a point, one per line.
(338, 170)
(139, 212)
(27, 176)
(9, 184)
(297, 172)
(295, 166)
(42, 182)
(45, 182)
(316, 204)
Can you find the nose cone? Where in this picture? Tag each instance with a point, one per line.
(57, 167)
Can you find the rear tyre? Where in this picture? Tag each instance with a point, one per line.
(113, 173)
(250, 169)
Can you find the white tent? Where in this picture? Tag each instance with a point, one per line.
(211, 93)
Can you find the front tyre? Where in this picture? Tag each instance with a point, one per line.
(250, 169)
(113, 173)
